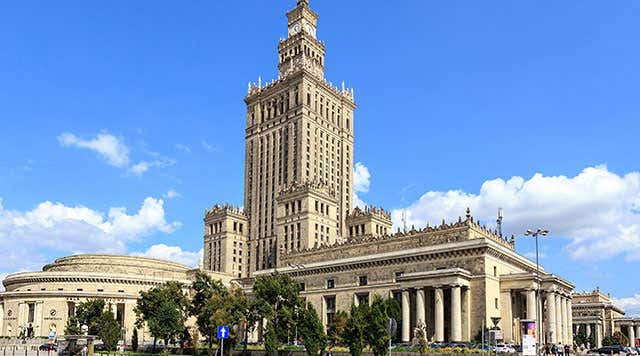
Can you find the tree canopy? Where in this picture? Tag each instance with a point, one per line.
(164, 310)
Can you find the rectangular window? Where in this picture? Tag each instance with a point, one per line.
(32, 311)
(330, 302)
(363, 280)
(330, 284)
(496, 302)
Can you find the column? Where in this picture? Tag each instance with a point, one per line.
(588, 329)
(531, 304)
(420, 306)
(2, 332)
(559, 319)
(466, 316)
(632, 335)
(456, 314)
(551, 317)
(406, 337)
(439, 314)
(507, 312)
(38, 329)
(598, 335)
(637, 330)
(569, 320)
(356, 302)
(565, 328)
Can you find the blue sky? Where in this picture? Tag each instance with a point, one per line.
(112, 105)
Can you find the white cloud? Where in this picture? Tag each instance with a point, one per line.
(171, 193)
(361, 178)
(142, 167)
(597, 210)
(361, 183)
(172, 253)
(631, 305)
(57, 228)
(109, 147)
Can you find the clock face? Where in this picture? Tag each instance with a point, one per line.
(296, 28)
(309, 29)
(53, 312)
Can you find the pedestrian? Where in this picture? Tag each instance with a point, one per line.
(567, 349)
(84, 350)
(554, 349)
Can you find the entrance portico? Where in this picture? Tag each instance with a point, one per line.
(439, 299)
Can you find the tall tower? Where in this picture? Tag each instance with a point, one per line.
(299, 131)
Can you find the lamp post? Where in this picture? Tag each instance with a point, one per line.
(297, 267)
(538, 232)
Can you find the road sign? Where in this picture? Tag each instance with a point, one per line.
(52, 335)
(223, 332)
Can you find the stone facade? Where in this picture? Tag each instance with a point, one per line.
(45, 300)
(299, 129)
(595, 313)
(454, 277)
(370, 221)
(225, 240)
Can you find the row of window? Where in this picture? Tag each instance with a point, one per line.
(362, 281)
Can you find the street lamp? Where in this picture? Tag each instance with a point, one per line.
(538, 232)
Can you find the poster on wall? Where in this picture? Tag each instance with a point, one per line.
(528, 332)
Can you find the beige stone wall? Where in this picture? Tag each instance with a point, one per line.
(116, 279)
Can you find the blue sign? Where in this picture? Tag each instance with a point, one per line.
(223, 332)
(52, 335)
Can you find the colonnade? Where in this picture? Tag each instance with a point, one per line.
(459, 304)
(558, 318)
(591, 328)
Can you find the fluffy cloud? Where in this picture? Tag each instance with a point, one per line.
(361, 178)
(631, 305)
(115, 152)
(598, 210)
(172, 253)
(57, 228)
(361, 183)
(109, 147)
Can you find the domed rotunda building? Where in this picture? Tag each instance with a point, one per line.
(45, 300)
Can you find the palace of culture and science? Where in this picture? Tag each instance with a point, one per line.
(299, 219)
(298, 162)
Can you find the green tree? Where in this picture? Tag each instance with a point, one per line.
(87, 313)
(276, 299)
(355, 331)
(617, 338)
(164, 310)
(336, 327)
(134, 340)
(204, 287)
(377, 336)
(108, 330)
(311, 330)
